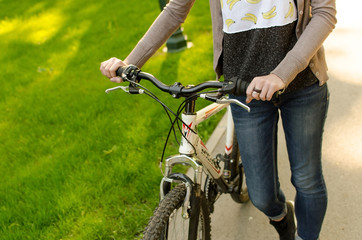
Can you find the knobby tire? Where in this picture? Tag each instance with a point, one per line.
(161, 225)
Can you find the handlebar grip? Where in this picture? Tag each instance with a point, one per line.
(120, 71)
(241, 87)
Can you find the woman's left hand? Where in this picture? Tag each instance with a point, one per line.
(263, 88)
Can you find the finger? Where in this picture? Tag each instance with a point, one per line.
(257, 90)
(272, 90)
(113, 69)
(249, 97)
(102, 68)
(264, 93)
(249, 91)
(270, 94)
(116, 79)
(108, 66)
(255, 95)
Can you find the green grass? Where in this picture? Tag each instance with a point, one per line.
(77, 163)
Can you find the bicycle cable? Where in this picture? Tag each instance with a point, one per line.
(177, 116)
(179, 111)
(167, 110)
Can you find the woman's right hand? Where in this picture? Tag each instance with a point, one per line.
(109, 68)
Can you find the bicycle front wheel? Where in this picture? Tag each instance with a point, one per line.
(167, 221)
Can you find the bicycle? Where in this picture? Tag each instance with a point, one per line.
(185, 207)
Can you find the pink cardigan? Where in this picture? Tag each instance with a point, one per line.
(316, 20)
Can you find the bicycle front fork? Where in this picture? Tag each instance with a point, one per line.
(193, 187)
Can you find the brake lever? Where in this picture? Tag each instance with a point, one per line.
(225, 100)
(124, 88)
(237, 102)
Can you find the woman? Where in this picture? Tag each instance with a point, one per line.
(275, 45)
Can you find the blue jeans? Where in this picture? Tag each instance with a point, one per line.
(303, 114)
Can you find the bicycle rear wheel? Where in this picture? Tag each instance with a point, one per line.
(167, 222)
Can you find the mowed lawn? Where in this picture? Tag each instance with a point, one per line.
(76, 163)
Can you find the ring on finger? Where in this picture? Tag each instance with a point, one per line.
(257, 90)
(255, 94)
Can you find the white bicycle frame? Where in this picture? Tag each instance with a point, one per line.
(193, 152)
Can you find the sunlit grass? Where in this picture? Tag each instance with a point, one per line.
(36, 29)
(77, 163)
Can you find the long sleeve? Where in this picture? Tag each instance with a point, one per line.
(311, 34)
(169, 20)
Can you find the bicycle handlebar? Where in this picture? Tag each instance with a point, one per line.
(131, 73)
(177, 89)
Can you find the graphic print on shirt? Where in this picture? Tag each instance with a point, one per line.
(243, 15)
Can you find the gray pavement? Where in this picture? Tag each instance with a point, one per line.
(342, 151)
